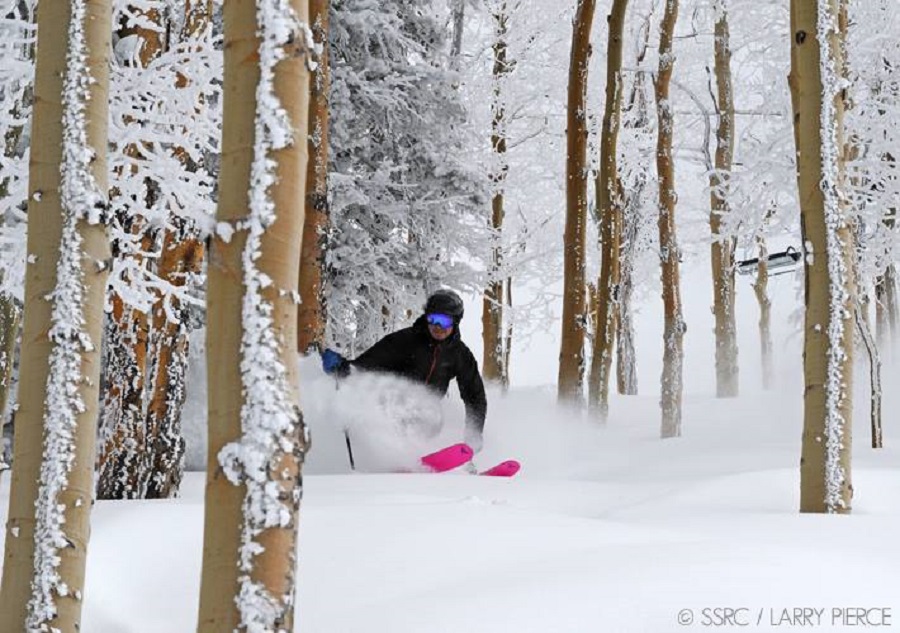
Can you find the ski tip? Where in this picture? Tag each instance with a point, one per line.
(448, 458)
(504, 469)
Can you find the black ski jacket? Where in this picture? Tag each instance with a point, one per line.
(414, 354)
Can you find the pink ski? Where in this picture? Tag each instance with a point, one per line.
(448, 458)
(504, 469)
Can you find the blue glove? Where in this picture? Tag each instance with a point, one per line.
(334, 363)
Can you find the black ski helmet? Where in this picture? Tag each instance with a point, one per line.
(445, 302)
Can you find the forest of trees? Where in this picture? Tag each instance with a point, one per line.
(293, 175)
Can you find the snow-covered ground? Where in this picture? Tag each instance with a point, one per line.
(605, 529)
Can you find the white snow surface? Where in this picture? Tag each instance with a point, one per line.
(604, 529)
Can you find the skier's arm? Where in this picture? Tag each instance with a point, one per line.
(387, 355)
(471, 390)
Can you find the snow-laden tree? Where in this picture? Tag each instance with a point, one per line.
(311, 313)
(496, 322)
(530, 92)
(817, 85)
(722, 249)
(635, 163)
(408, 211)
(257, 438)
(17, 33)
(871, 102)
(17, 40)
(610, 217)
(52, 486)
(761, 186)
(672, 381)
(164, 117)
(575, 307)
(873, 138)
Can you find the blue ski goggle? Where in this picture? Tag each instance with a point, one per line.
(443, 321)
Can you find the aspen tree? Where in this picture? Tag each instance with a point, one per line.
(816, 67)
(609, 207)
(257, 438)
(571, 354)
(850, 152)
(674, 327)
(761, 291)
(311, 313)
(496, 344)
(52, 482)
(722, 248)
(637, 122)
(887, 309)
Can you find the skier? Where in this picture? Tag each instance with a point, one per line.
(430, 352)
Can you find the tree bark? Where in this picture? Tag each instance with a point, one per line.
(492, 315)
(626, 362)
(147, 354)
(761, 290)
(571, 354)
(181, 260)
(825, 475)
(123, 438)
(886, 309)
(257, 438)
(609, 209)
(875, 391)
(311, 312)
(507, 349)
(674, 327)
(180, 265)
(13, 147)
(850, 152)
(458, 17)
(638, 118)
(892, 304)
(722, 248)
(10, 309)
(886, 305)
(52, 481)
(121, 461)
(10, 319)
